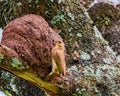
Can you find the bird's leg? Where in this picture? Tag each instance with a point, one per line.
(54, 71)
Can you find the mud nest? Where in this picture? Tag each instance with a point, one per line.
(32, 39)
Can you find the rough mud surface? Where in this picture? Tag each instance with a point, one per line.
(32, 39)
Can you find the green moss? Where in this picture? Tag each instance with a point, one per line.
(1, 57)
(60, 17)
(17, 64)
(80, 92)
(103, 21)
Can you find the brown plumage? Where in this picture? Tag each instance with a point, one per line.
(58, 60)
(58, 56)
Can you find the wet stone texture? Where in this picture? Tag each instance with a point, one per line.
(32, 39)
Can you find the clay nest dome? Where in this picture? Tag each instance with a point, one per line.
(32, 39)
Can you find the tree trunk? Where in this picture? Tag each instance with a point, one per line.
(89, 58)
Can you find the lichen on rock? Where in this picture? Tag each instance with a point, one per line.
(106, 18)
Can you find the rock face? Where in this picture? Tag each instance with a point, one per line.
(112, 35)
(32, 39)
(106, 18)
(86, 3)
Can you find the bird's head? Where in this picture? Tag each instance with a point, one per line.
(59, 44)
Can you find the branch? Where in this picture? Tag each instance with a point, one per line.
(37, 81)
